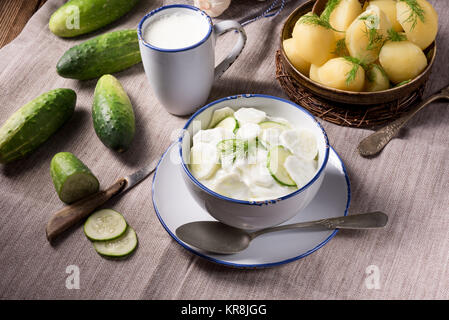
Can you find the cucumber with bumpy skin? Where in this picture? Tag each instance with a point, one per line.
(108, 53)
(105, 224)
(31, 125)
(119, 247)
(72, 178)
(78, 17)
(113, 114)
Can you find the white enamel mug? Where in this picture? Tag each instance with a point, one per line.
(182, 78)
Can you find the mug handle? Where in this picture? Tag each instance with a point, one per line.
(221, 28)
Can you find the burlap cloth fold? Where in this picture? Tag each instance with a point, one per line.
(409, 181)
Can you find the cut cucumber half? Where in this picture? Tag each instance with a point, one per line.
(72, 178)
(105, 224)
(119, 247)
(273, 124)
(229, 123)
(275, 164)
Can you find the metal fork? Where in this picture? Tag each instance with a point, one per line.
(375, 142)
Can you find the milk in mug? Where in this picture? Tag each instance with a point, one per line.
(176, 30)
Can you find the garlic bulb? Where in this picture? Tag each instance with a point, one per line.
(214, 8)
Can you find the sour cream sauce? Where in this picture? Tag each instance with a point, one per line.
(245, 175)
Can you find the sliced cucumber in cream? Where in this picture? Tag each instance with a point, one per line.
(231, 149)
(249, 115)
(219, 115)
(119, 247)
(229, 123)
(300, 142)
(203, 160)
(273, 124)
(275, 164)
(105, 224)
(301, 170)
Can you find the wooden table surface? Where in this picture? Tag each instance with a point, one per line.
(14, 14)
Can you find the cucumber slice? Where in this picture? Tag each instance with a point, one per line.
(219, 115)
(249, 115)
(72, 178)
(231, 149)
(302, 143)
(105, 225)
(229, 123)
(203, 160)
(272, 124)
(275, 164)
(119, 247)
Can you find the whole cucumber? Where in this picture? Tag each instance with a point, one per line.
(108, 53)
(78, 17)
(72, 178)
(113, 114)
(31, 125)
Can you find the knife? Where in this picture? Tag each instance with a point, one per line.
(77, 211)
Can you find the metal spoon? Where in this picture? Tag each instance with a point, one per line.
(375, 142)
(214, 236)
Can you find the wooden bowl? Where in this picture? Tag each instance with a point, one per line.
(349, 97)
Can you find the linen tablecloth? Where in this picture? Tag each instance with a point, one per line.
(409, 180)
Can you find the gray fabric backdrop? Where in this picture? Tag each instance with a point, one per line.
(409, 181)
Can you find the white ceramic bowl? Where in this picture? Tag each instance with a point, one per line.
(254, 214)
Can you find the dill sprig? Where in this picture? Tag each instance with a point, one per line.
(312, 18)
(395, 36)
(340, 48)
(371, 75)
(356, 64)
(402, 83)
(330, 7)
(416, 12)
(375, 39)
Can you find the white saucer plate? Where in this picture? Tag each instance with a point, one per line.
(174, 207)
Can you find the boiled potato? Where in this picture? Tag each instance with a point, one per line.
(402, 60)
(292, 54)
(314, 42)
(389, 8)
(313, 74)
(367, 33)
(343, 15)
(376, 79)
(339, 73)
(420, 29)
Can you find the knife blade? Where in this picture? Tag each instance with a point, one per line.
(135, 178)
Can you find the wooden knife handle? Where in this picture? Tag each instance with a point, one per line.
(75, 212)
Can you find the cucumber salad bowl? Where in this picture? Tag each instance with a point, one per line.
(290, 192)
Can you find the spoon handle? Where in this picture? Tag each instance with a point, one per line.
(375, 142)
(358, 221)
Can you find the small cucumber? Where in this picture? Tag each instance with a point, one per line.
(105, 224)
(72, 178)
(229, 123)
(78, 17)
(31, 125)
(119, 247)
(113, 114)
(275, 164)
(108, 53)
